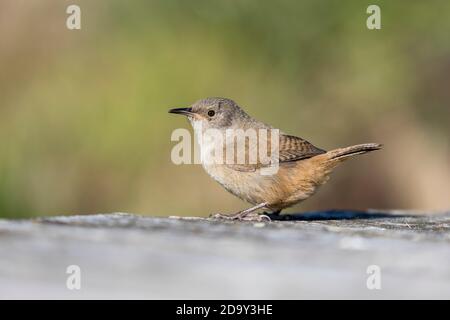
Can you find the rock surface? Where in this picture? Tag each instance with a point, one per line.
(312, 255)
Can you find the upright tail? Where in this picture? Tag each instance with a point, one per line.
(342, 154)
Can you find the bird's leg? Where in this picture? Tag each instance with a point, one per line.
(243, 215)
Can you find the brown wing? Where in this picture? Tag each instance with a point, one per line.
(291, 149)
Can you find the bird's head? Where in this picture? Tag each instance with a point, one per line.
(212, 113)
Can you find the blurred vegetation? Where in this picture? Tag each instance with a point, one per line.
(83, 114)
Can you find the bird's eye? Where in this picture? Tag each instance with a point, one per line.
(211, 113)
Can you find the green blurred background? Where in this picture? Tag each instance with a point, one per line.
(84, 126)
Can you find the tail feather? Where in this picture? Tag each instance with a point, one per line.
(344, 153)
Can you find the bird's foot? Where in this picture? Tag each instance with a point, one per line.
(256, 217)
(242, 217)
(221, 216)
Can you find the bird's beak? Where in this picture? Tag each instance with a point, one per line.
(184, 111)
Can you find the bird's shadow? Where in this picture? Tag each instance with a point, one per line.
(335, 215)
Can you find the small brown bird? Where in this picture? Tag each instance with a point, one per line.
(302, 167)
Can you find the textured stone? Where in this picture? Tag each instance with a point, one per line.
(312, 255)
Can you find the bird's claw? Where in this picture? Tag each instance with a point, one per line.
(221, 216)
(238, 217)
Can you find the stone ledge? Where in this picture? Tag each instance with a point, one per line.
(311, 255)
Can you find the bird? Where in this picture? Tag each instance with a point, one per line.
(301, 167)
